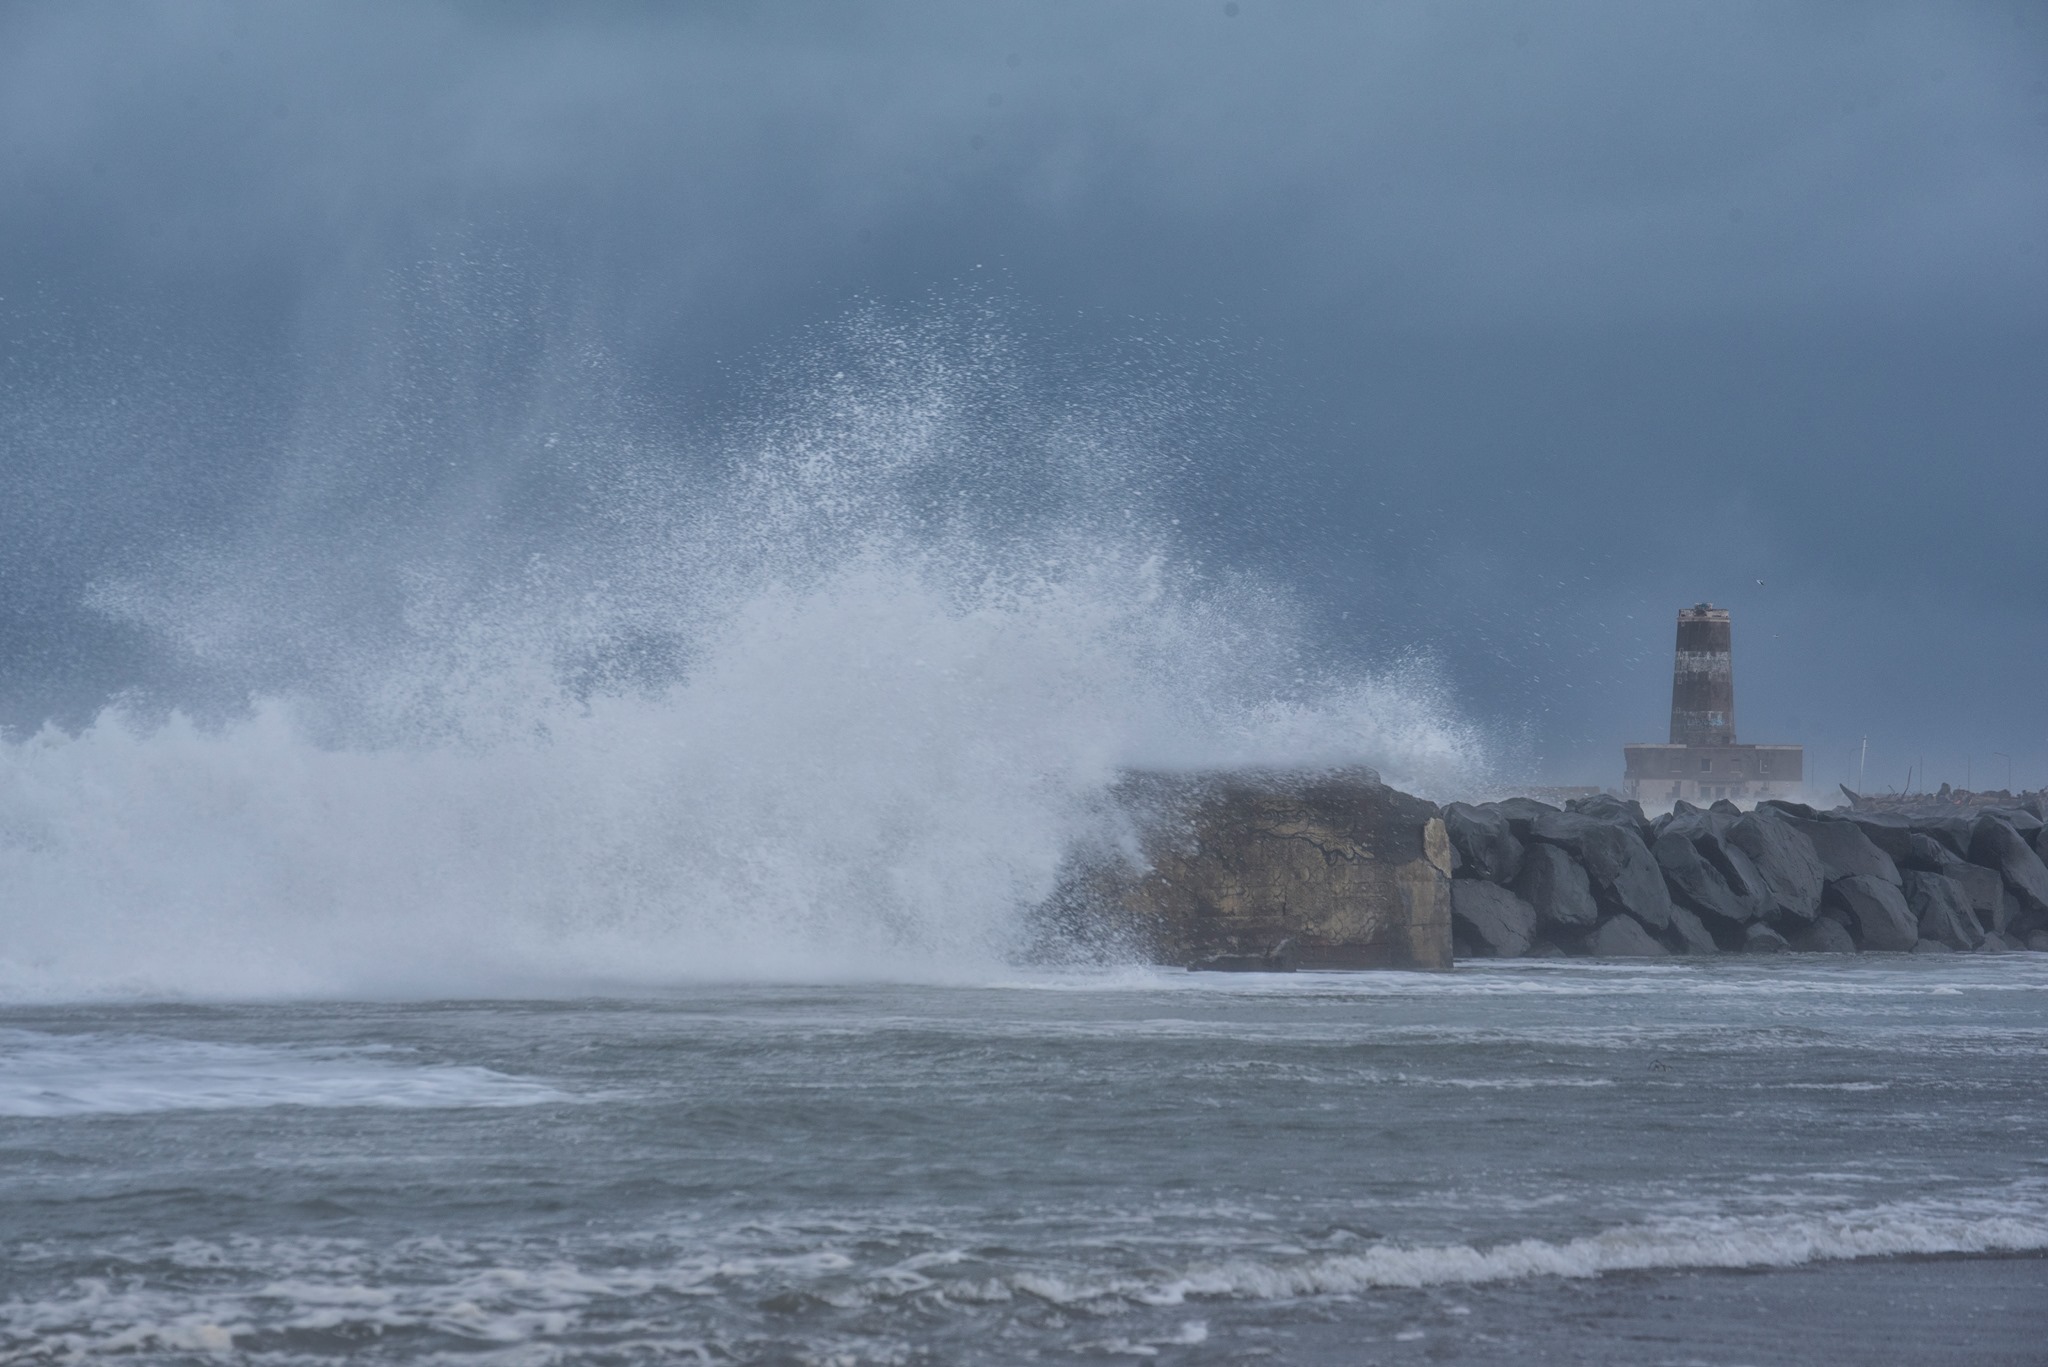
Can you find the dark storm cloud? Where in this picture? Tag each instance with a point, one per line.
(1560, 315)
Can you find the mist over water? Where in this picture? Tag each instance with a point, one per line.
(517, 690)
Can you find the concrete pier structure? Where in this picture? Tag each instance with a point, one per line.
(1315, 870)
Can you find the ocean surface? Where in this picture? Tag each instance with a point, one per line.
(1730, 1162)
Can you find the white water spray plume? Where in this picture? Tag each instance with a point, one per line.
(832, 693)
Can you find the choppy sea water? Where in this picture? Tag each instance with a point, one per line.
(1719, 1162)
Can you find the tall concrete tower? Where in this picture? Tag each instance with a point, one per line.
(1703, 678)
(1703, 763)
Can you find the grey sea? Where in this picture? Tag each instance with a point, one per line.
(1792, 1161)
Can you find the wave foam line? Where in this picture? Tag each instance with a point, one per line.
(1889, 1231)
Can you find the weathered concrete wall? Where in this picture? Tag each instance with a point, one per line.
(1346, 871)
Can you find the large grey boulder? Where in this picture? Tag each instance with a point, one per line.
(1553, 883)
(1983, 889)
(2041, 844)
(2037, 940)
(1845, 851)
(1926, 853)
(1942, 909)
(1891, 832)
(1738, 870)
(1614, 810)
(1785, 806)
(1492, 920)
(1931, 947)
(1709, 831)
(1995, 844)
(2019, 818)
(1618, 864)
(1486, 845)
(1876, 912)
(1951, 829)
(1623, 937)
(1698, 886)
(1824, 937)
(1758, 938)
(1784, 859)
(1522, 813)
(1687, 935)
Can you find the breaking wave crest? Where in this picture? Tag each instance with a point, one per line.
(1894, 1230)
(44, 1077)
(831, 692)
(319, 1295)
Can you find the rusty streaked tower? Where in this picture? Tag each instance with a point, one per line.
(1703, 678)
(1704, 763)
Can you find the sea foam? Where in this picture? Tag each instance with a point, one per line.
(836, 698)
(44, 1076)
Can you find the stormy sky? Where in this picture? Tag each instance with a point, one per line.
(1536, 322)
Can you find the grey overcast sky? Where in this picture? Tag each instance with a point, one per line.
(1537, 321)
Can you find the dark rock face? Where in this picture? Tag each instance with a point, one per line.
(1522, 813)
(1495, 922)
(1876, 912)
(1345, 871)
(1787, 807)
(1942, 910)
(2019, 818)
(2037, 940)
(1845, 851)
(1709, 833)
(1697, 886)
(1889, 831)
(1687, 935)
(1557, 888)
(1995, 844)
(1824, 937)
(1784, 859)
(1485, 843)
(1759, 938)
(1743, 877)
(1614, 811)
(1931, 947)
(1983, 889)
(1952, 831)
(1618, 865)
(1623, 937)
(1926, 853)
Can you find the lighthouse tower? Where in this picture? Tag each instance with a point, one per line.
(1703, 678)
(1704, 763)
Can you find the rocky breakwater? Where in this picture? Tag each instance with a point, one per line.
(1598, 877)
(1273, 870)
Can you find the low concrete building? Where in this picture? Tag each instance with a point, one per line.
(1703, 762)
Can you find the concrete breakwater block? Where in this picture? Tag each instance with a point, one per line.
(1262, 871)
(1265, 871)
